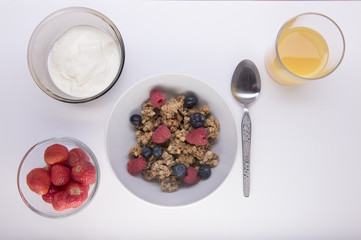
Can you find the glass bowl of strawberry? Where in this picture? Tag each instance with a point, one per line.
(58, 177)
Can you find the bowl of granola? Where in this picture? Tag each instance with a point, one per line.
(171, 139)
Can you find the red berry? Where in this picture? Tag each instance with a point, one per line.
(161, 134)
(157, 98)
(49, 197)
(136, 165)
(86, 187)
(47, 167)
(76, 194)
(59, 203)
(56, 153)
(83, 172)
(38, 180)
(59, 175)
(192, 176)
(198, 136)
(77, 154)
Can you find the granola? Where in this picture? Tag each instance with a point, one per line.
(177, 115)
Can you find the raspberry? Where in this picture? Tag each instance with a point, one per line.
(198, 137)
(75, 155)
(136, 165)
(83, 172)
(56, 153)
(76, 194)
(38, 180)
(192, 176)
(161, 134)
(157, 98)
(59, 175)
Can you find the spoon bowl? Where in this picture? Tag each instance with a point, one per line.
(246, 83)
(246, 87)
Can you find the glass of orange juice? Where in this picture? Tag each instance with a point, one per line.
(309, 46)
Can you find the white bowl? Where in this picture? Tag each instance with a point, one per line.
(120, 136)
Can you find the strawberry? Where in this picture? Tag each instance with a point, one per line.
(56, 153)
(161, 134)
(136, 165)
(59, 204)
(49, 196)
(157, 98)
(76, 194)
(83, 172)
(59, 175)
(38, 180)
(86, 187)
(192, 176)
(75, 155)
(47, 167)
(198, 136)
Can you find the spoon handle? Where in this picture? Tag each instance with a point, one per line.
(246, 149)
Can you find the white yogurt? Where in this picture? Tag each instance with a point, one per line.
(83, 61)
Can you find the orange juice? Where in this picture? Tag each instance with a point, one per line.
(303, 51)
(302, 54)
(308, 47)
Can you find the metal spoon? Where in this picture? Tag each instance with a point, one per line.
(246, 86)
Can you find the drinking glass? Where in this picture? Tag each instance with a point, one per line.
(308, 47)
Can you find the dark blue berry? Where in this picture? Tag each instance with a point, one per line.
(197, 120)
(179, 170)
(136, 119)
(147, 151)
(157, 151)
(190, 101)
(204, 172)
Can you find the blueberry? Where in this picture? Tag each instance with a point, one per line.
(190, 101)
(197, 120)
(179, 170)
(204, 172)
(157, 151)
(147, 151)
(136, 119)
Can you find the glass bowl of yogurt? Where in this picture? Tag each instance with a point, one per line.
(76, 54)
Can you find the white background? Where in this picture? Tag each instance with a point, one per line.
(305, 164)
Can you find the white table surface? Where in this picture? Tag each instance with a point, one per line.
(306, 158)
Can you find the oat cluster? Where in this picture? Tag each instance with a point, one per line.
(176, 149)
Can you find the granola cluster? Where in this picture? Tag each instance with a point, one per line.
(176, 149)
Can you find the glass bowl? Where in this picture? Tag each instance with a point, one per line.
(49, 31)
(34, 158)
(120, 136)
